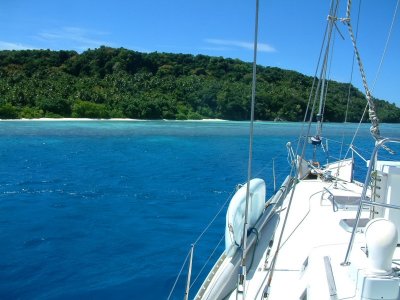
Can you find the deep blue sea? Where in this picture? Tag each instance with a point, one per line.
(109, 209)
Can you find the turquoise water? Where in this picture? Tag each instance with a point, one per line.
(109, 209)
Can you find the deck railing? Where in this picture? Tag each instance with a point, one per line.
(364, 200)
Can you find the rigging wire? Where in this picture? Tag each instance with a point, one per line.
(207, 261)
(349, 98)
(347, 20)
(350, 81)
(324, 93)
(378, 71)
(326, 46)
(179, 275)
(329, 28)
(242, 275)
(198, 240)
(213, 219)
(386, 44)
(375, 131)
(307, 113)
(357, 130)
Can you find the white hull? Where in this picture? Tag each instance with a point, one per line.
(312, 249)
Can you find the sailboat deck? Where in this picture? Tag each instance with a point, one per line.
(312, 228)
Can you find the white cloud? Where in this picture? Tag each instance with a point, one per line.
(262, 47)
(72, 38)
(14, 46)
(65, 38)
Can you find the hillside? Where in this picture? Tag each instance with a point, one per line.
(115, 83)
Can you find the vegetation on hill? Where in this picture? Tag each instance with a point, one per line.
(118, 83)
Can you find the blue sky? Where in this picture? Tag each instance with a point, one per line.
(290, 32)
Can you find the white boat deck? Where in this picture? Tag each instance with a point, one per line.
(311, 230)
(314, 241)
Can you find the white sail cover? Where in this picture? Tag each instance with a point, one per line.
(236, 212)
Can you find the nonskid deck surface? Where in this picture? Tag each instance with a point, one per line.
(313, 231)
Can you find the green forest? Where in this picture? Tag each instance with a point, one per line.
(120, 83)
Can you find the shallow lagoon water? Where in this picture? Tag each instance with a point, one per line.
(109, 209)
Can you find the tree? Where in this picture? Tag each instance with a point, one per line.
(85, 109)
(109, 82)
(7, 111)
(60, 107)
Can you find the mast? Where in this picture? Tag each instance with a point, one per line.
(241, 286)
(322, 84)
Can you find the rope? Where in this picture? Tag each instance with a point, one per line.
(255, 231)
(375, 132)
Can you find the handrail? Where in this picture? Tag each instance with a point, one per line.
(379, 144)
(368, 202)
(332, 197)
(358, 154)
